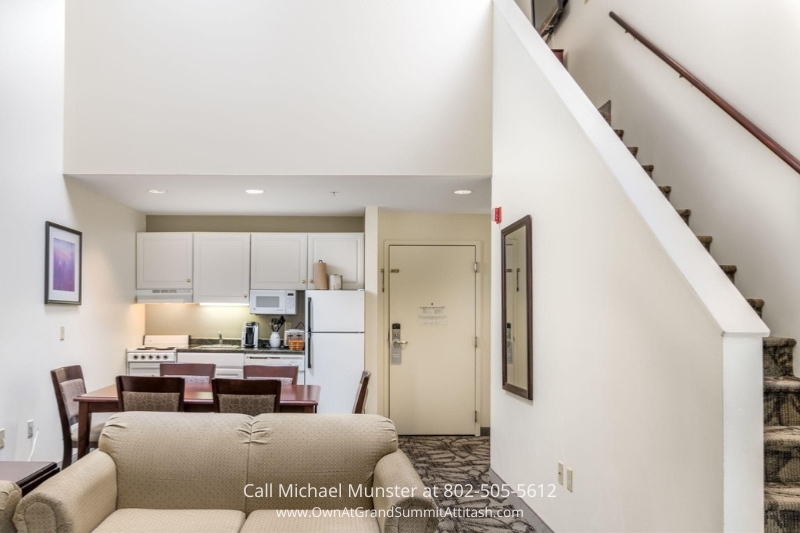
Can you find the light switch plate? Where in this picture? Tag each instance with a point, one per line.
(2, 438)
(569, 479)
(62, 332)
(560, 473)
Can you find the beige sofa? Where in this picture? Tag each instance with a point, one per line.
(207, 472)
(9, 498)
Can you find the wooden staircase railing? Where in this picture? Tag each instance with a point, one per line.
(757, 132)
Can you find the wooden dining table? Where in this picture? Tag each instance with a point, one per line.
(197, 398)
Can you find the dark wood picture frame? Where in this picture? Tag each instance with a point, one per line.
(523, 223)
(63, 282)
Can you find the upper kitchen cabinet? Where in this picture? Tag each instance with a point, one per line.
(279, 261)
(222, 268)
(342, 252)
(164, 261)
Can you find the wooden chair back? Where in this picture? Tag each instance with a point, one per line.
(146, 393)
(361, 393)
(287, 374)
(247, 396)
(68, 384)
(191, 372)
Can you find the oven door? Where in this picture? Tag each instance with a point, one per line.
(144, 369)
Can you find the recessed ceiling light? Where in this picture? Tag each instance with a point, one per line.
(462, 191)
(254, 191)
(157, 191)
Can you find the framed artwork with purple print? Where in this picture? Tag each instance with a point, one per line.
(62, 265)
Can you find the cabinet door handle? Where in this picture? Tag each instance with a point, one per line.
(188, 280)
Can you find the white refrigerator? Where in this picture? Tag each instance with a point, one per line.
(335, 347)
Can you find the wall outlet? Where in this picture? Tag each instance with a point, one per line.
(2, 438)
(560, 473)
(62, 333)
(30, 429)
(569, 479)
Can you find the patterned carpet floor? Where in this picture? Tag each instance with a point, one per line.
(461, 462)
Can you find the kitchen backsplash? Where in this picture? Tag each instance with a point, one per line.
(201, 321)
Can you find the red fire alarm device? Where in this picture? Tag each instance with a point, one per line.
(498, 215)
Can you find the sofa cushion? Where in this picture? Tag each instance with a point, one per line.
(317, 451)
(172, 521)
(269, 522)
(9, 498)
(179, 460)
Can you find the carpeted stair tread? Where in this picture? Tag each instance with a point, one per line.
(778, 357)
(782, 437)
(685, 214)
(785, 384)
(782, 496)
(757, 304)
(619, 133)
(665, 190)
(730, 271)
(649, 169)
(633, 150)
(770, 342)
(605, 111)
(705, 240)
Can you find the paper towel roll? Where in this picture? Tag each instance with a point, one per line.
(320, 276)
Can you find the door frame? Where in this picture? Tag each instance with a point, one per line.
(483, 343)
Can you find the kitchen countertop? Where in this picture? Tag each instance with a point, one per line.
(233, 348)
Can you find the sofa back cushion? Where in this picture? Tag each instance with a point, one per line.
(312, 452)
(179, 460)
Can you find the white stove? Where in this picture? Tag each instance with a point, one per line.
(146, 360)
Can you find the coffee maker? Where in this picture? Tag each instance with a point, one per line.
(250, 335)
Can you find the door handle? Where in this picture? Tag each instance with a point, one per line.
(395, 342)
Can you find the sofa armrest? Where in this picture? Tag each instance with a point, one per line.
(411, 510)
(75, 500)
(9, 498)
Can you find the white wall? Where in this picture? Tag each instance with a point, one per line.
(250, 87)
(412, 228)
(637, 338)
(33, 191)
(739, 192)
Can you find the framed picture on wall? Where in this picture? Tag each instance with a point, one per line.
(62, 265)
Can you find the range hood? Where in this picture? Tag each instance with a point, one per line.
(165, 296)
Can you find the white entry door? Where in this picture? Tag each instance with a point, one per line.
(432, 358)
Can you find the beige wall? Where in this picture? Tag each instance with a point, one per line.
(429, 228)
(254, 224)
(202, 321)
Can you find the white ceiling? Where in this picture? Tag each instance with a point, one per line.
(293, 195)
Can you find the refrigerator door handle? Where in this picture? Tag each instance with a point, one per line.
(308, 341)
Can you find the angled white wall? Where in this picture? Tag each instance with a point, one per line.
(33, 191)
(247, 87)
(646, 360)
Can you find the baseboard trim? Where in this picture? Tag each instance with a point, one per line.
(485, 431)
(528, 514)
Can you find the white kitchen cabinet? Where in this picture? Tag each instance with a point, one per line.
(229, 364)
(279, 261)
(164, 261)
(222, 268)
(342, 252)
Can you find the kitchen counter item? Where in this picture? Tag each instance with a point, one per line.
(335, 282)
(320, 276)
(235, 349)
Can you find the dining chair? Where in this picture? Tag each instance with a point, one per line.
(191, 372)
(287, 374)
(68, 384)
(150, 393)
(246, 396)
(361, 393)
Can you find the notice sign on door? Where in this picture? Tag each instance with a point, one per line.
(432, 316)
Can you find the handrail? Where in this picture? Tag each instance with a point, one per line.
(757, 132)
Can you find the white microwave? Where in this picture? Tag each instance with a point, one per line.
(273, 302)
